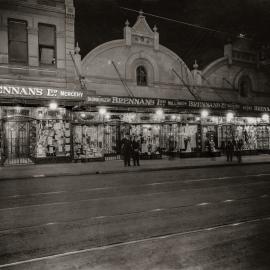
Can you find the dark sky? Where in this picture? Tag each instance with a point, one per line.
(99, 21)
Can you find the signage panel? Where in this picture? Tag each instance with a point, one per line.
(11, 91)
(172, 103)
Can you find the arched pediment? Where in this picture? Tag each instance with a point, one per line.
(141, 58)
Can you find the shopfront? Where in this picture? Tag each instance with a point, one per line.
(170, 127)
(33, 131)
(35, 125)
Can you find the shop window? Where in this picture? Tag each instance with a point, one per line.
(53, 138)
(244, 86)
(47, 44)
(17, 41)
(141, 75)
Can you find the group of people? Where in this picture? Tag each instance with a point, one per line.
(130, 148)
(234, 147)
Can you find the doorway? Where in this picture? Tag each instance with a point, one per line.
(17, 142)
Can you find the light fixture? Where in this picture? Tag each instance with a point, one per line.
(53, 105)
(173, 116)
(102, 111)
(159, 112)
(83, 115)
(229, 116)
(197, 118)
(204, 113)
(107, 116)
(265, 117)
(17, 109)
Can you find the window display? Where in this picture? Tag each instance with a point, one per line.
(262, 136)
(209, 138)
(149, 135)
(53, 138)
(188, 135)
(88, 141)
(171, 137)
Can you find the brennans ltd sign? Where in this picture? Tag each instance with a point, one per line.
(35, 92)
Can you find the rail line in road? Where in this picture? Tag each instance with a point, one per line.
(264, 196)
(134, 242)
(138, 185)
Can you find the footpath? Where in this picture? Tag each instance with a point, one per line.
(117, 166)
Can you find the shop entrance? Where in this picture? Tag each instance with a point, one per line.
(16, 142)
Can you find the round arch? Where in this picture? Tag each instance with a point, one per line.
(142, 59)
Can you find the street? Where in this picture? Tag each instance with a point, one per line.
(203, 218)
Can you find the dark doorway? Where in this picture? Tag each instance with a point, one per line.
(17, 142)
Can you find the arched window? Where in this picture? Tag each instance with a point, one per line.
(244, 86)
(141, 75)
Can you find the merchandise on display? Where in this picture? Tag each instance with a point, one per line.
(53, 138)
(88, 141)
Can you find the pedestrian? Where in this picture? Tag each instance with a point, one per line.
(171, 148)
(136, 152)
(239, 146)
(229, 151)
(126, 149)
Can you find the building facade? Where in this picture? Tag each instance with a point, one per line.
(55, 107)
(36, 72)
(143, 89)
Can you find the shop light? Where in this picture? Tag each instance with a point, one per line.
(198, 118)
(159, 113)
(53, 105)
(251, 120)
(102, 111)
(107, 116)
(173, 117)
(265, 117)
(132, 116)
(204, 113)
(83, 115)
(229, 116)
(17, 109)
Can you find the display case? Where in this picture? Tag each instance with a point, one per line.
(262, 136)
(88, 142)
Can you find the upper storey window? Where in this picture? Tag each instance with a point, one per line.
(141, 76)
(244, 86)
(17, 41)
(47, 44)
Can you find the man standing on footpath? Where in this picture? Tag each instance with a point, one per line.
(229, 150)
(126, 149)
(136, 151)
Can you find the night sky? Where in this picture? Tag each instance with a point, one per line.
(99, 21)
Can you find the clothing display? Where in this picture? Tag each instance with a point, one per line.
(88, 141)
(209, 138)
(149, 135)
(187, 136)
(262, 135)
(53, 138)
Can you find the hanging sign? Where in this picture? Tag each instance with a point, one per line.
(10, 91)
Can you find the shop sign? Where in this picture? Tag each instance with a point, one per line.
(157, 102)
(134, 101)
(11, 91)
(173, 103)
(213, 105)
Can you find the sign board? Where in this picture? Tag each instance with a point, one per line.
(172, 103)
(10, 91)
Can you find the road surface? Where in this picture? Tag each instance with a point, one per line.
(216, 218)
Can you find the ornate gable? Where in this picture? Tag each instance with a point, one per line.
(141, 27)
(141, 33)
